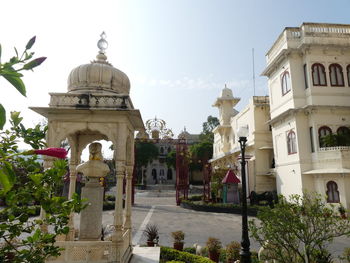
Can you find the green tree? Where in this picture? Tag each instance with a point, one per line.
(171, 159)
(11, 71)
(299, 229)
(145, 153)
(208, 127)
(203, 150)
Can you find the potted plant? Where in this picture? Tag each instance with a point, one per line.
(214, 246)
(232, 252)
(178, 237)
(152, 234)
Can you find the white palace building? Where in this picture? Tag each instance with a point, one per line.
(308, 71)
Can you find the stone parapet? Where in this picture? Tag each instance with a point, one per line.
(88, 100)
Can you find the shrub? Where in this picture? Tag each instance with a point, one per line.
(178, 236)
(195, 198)
(232, 250)
(213, 244)
(190, 250)
(346, 255)
(151, 233)
(299, 220)
(168, 254)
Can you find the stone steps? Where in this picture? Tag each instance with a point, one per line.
(145, 255)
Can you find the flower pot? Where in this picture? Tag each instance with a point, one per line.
(214, 256)
(150, 243)
(179, 246)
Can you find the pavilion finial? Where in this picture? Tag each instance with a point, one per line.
(102, 44)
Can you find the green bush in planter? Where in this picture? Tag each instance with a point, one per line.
(190, 250)
(168, 254)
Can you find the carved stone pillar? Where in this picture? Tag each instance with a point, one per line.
(118, 213)
(72, 183)
(127, 222)
(120, 157)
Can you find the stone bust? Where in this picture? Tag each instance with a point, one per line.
(95, 167)
(95, 151)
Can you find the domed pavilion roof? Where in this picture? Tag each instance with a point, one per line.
(99, 76)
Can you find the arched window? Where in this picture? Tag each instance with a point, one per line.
(318, 75)
(285, 82)
(343, 130)
(169, 175)
(291, 142)
(322, 132)
(336, 75)
(348, 73)
(332, 192)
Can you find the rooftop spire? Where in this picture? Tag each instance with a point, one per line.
(102, 44)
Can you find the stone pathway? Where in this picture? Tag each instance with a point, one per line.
(145, 255)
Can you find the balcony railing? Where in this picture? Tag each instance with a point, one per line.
(68, 100)
(334, 148)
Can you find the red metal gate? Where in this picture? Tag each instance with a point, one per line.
(182, 178)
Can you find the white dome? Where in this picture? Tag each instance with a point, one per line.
(98, 76)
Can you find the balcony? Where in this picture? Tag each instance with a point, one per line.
(309, 33)
(332, 157)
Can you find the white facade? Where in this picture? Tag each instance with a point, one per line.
(308, 70)
(226, 152)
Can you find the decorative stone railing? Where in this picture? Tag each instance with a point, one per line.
(334, 148)
(85, 251)
(293, 36)
(323, 28)
(332, 157)
(84, 101)
(261, 99)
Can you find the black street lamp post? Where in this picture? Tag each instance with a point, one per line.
(245, 243)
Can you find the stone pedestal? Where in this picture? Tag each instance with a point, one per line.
(91, 216)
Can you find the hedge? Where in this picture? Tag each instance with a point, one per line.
(169, 254)
(217, 207)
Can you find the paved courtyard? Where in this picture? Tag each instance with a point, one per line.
(160, 208)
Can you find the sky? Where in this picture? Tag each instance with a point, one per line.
(178, 54)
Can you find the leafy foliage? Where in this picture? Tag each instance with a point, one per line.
(232, 250)
(213, 244)
(151, 232)
(11, 71)
(167, 254)
(299, 229)
(145, 153)
(216, 182)
(171, 159)
(208, 127)
(178, 236)
(333, 139)
(203, 150)
(26, 183)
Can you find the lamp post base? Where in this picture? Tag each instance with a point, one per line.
(245, 257)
